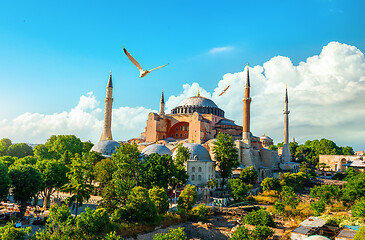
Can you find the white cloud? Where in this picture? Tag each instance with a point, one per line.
(220, 49)
(326, 99)
(85, 121)
(326, 96)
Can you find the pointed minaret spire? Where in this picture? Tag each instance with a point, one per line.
(285, 156)
(248, 77)
(107, 130)
(246, 134)
(162, 105)
(198, 95)
(110, 82)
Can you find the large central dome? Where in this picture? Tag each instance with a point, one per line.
(198, 101)
(198, 104)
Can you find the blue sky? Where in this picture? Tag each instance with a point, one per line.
(53, 52)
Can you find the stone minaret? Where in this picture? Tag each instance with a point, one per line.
(285, 156)
(246, 110)
(107, 129)
(162, 105)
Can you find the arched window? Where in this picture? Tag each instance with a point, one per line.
(196, 158)
(192, 177)
(199, 178)
(199, 169)
(193, 169)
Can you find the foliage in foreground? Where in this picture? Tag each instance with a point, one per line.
(201, 212)
(187, 199)
(173, 234)
(260, 217)
(10, 232)
(259, 233)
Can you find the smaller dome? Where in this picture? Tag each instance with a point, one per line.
(156, 148)
(316, 237)
(264, 137)
(105, 148)
(197, 152)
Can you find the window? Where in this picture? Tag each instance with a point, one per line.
(199, 178)
(196, 158)
(177, 129)
(176, 135)
(199, 169)
(192, 177)
(181, 128)
(193, 169)
(185, 135)
(180, 134)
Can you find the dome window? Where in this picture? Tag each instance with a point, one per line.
(196, 158)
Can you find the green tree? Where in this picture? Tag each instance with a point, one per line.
(112, 236)
(262, 232)
(347, 150)
(104, 170)
(242, 233)
(127, 158)
(58, 145)
(60, 225)
(318, 207)
(10, 232)
(4, 145)
(138, 208)
(42, 152)
(187, 199)
(90, 160)
(4, 182)
(173, 234)
(92, 222)
(270, 184)
(160, 199)
(354, 189)
(358, 209)
(279, 207)
(288, 197)
(201, 212)
(260, 217)
(273, 148)
(249, 175)
(226, 156)
(157, 171)
(26, 182)
(19, 150)
(350, 173)
(360, 235)
(53, 177)
(8, 160)
(327, 193)
(86, 147)
(182, 154)
(77, 185)
(239, 190)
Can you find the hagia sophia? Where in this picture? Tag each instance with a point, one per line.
(195, 123)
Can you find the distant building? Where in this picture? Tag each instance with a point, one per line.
(339, 163)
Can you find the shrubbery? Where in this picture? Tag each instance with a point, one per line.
(173, 234)
(260, 217)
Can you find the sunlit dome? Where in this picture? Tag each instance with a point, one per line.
(106, 147)
(156, 148)
(198, 104)
(197, 152)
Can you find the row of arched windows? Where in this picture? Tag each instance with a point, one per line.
(192, 109)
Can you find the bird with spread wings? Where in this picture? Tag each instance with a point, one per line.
(142, 73)
(224, 90)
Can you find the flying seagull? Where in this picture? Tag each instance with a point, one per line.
(224, 90)
(142, 73)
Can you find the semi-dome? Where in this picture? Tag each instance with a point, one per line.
(264, 137)
(156, 148)
(197, 152)
(105, 147)
(198, 104)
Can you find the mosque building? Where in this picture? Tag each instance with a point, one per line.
(195, 123)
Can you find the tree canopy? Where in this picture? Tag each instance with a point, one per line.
(226, 156)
